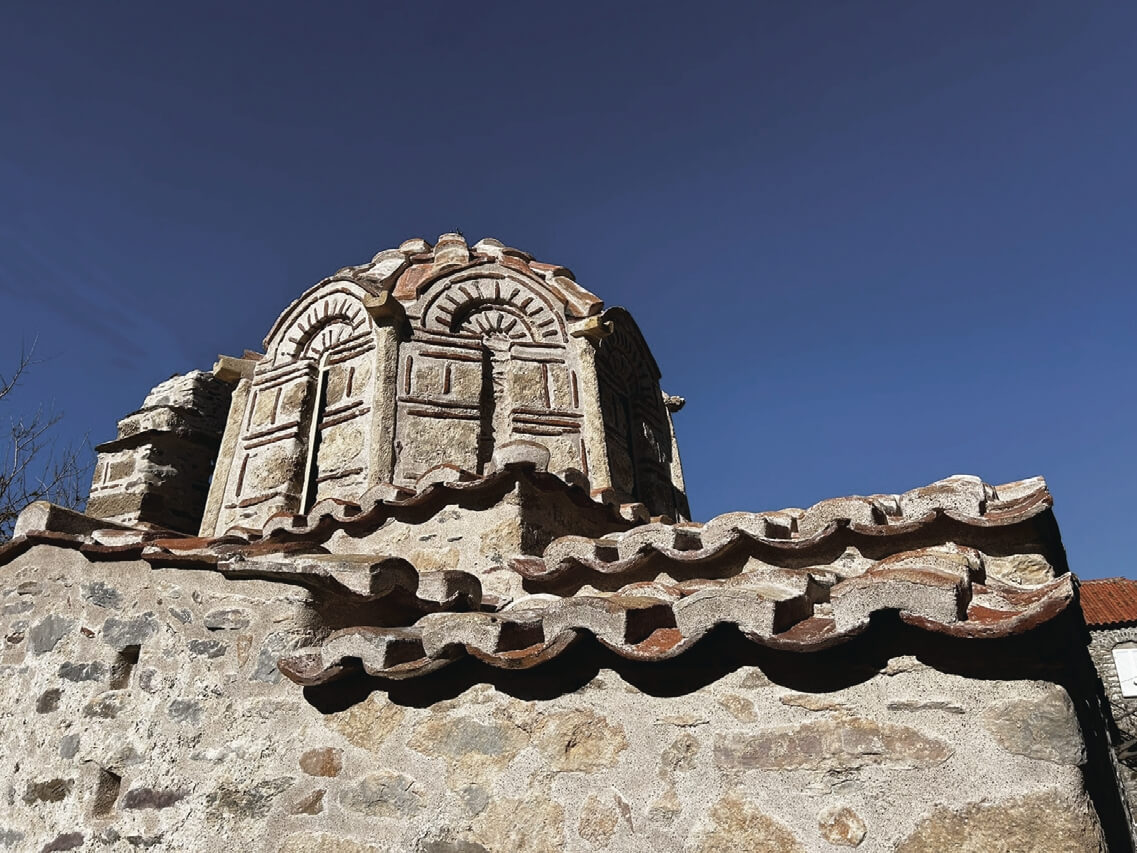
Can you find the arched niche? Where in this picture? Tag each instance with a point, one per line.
(488, 362)
(307, 428)
(490, 302)
(328, 315)
(637, 429)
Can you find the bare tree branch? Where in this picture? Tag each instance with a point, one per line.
(33, 466)
(25, 361)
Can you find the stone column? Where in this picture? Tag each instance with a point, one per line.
(501, 380)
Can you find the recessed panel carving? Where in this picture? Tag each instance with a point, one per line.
(308, 428)
(488, 363)
(637, 431)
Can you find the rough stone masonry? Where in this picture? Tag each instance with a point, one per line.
(421, 576)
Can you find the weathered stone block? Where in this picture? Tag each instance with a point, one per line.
(1045, 727)
(156, 472)
(310, 804)
(737, 824)
(460, 736)
(64, 841)
(533, 825)
(48, 791)
(251, 803)
(275, 644)
(383, 794)
(184, 711)
(106, 706)
(46, 634)
(326, 761)
(207, 648)
(841, 825)
(1042, 821)
(15, 608)
(120, 633)
(579, 740)
(48, 701)
(151, 798)
(681, 754)
(93, 671)
(598, 820)
(232, 619)
(102, 595)
(833, 744)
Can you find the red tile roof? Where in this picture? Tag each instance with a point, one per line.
(1109, 602)
(648, 593)
(654, 621)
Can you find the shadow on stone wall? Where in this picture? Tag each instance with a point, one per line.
(1055, 652)
(1041, 654)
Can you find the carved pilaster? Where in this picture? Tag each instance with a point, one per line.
(390, 320)
(230, 370)
(584, 337)
(682, 509)
(266, 474)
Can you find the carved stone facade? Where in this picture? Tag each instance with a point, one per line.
(421, 577)
(430, 357)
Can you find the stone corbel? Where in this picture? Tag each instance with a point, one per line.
(385, 309)
(232, 370)
(384, 269)
(593, 329)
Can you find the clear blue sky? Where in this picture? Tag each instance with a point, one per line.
(873, 244)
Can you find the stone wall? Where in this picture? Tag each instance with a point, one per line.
(141, 708)
(1102, 644)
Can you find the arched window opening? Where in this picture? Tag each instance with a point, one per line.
(311, 464)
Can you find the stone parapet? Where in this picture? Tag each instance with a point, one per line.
(147, 711)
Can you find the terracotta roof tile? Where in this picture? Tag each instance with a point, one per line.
(1109, 602)
(959, 509)
(451, 254)
(649, 628)
(794, 579)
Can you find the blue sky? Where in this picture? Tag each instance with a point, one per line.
(873, 244)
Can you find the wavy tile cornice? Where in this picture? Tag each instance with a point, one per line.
(935, 591)
(959, 508)
(443, 486)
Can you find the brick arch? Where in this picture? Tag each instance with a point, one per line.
(329, 315)
(490, 303)
(309, 422)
